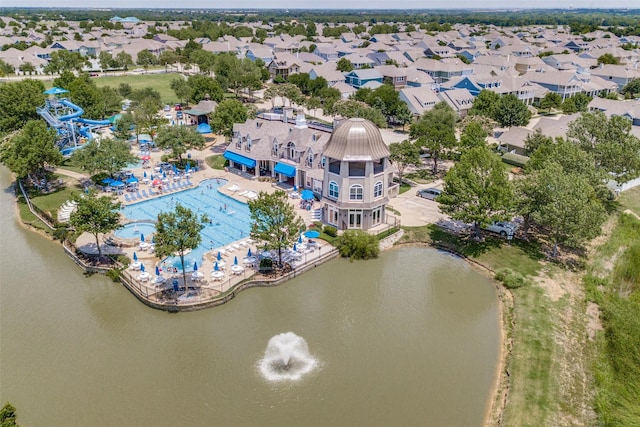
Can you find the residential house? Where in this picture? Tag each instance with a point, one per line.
(396, 77)
(418, 99)
(358, 78)
(610, 107)
(260, 51)
(441, 71)
(619, 74)
(417, 78)
(564, 83)
(327, 51)
(84, 48)
(513, 140)
(459, 99)
(345, 90)
(283, 65)
(328, 72)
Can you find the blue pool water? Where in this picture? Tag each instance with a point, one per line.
(230, 219)
(133, 230)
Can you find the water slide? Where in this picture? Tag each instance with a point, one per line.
(94, 122)
(78, 111)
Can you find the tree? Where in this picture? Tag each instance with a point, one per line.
(550, 100)
(535, 140)
(250, 77)
(27, 67)
(402, 114)
(179, 139)
(178, 232)
(435, 130)
(344, 65)
(312, 103)
(181, 88)
(510, 111)
(226, 69)
(477, 189)
(104, 155)
(404, 154)
(274, 221)
(203, 86)
(63, 60)
(610, 141)
(227, 113)
(631, 89)
(95, 215)
(608, 58)
(577, 103)
(473, 135)
(8, 416)
(123, 125)
(30, 150)
(124, 60)
(204, 59)
(358, 244)
(19, 101)
(485, 104)
(571, 213)
(6, 69)
(146, 59)
(350, 108)
(106, 60)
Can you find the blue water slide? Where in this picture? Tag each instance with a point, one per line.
(85, 132)
(78, 111)
(94, 122)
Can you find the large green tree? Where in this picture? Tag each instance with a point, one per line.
(179, 139)
(30, 150)
(203, 86)
(63, 60)
(95, 215)
(181, 88)
(485, 104)
(631, 89)
(477, 189)
(510, 111)
(550, 100)
(274, 221)
(227, 113)
(435, 131)
(146, 59)
(473, 135)
(178, 232)
(104, 155)
(404, 154)
(610, 141)
(19, 101)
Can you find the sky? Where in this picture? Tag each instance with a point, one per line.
(326, 4)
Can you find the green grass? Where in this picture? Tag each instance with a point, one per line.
(30, 219)
(216, 161)
(51, 202)
(159, 82)
(630, 199)
(404, 188)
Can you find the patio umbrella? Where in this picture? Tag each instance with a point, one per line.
(215, 267)
(157, 271)
(188, 167)
(235, 260)
(141, 237)
(295, 188)
(156, 182)
(306, 195)
(219, 257)
(175, 169)
(249, 252)
(132, 180)
(300, 239)
(295, 247)
(195, 266)
(135, 256)
(107, 180)
(142, 267)
(116, 184)
(144, 175)
(146, 157)
(164, 174)
(312, 234)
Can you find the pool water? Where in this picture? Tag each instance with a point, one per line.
(133, 230)
(229, 218)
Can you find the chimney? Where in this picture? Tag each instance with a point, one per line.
(301, 121)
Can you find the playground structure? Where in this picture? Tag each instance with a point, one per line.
(66, 118)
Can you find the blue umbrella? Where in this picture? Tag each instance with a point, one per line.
(306, 195)
(107, 180)
(141, 237)
(175, 169)
(295, 188)
(144, 175)
(157, 271)
(141, 267)
(295, 247)
(219, 257)
(164, 174)
(215, 266)
(249, 252)
(132, 179)
(188, 167)
(312, 234)
(135, 256)
(116, 184)
(300, 239)
(195, 266)
(235, 260)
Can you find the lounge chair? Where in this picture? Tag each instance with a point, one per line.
(243, 193)
(144, 194)
(126, 198)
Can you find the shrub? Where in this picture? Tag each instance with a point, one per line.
(114, 274)
(266, 265)
(511, 279)
(61, 232)
(357, 244)
(330, 230)
(317, 224)
(164, 158)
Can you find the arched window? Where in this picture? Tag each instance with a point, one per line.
(334, 190)
(377, 189)
(356, 192)
(292, 150)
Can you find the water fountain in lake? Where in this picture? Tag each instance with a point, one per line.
(287, 357)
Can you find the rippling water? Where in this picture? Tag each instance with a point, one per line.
(409, 339)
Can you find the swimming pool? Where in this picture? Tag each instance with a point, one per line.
(230, 219)
(134, 229)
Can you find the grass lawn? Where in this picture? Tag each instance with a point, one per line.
(404, 188)
(216, 161)
(52, 201)
(630, 199)
(159, 82)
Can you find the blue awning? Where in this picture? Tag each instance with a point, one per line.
(285, 169)
(237, 158)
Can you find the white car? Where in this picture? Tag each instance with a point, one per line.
(505, 229)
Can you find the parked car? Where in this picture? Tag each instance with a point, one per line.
(505, 229)
(179, 114)
(429, 193)
(167, 107)
(177, 107)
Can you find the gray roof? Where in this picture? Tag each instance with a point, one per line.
(356, 139)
